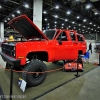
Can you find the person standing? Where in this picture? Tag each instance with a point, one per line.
(90, 47)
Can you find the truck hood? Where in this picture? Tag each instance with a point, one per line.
(26, 27)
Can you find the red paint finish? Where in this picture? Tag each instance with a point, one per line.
(57, 44)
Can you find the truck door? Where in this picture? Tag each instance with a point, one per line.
(64, 48)
(74, 47)
(81, 43)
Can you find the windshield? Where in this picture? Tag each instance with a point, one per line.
(49, 34)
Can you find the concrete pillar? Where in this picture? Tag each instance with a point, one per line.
(37, 13)
(98, 36)
(1, 30)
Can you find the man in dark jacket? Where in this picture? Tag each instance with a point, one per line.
(90, 47)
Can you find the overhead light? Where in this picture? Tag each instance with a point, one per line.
(78, 17)
(18, 11)
(94, 25)
(90, 23)
(84, 20)
(95, 13)
(45, 19)
(62, 27)
(55, 22)
(88, 6)
(26, 6)
(56, 16)
(57, 7)
(79, 24)
(68, 12)
(73, 22)
(62, 24)
(13, 15)
(66, 19)
(8, 18)
(48, 23)
(44, 12)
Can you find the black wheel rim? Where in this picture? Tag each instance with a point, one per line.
(37, 75)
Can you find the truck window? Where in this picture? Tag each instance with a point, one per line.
(62, 36)
(72, 35)
(49, 34)
(79, 38)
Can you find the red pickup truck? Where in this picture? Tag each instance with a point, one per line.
(50, 46)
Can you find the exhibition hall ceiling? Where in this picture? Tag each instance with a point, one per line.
(80, 15)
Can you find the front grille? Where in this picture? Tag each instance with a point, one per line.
(8, 49)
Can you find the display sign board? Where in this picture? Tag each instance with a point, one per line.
(22, 84)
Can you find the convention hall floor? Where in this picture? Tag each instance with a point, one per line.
(85, 87)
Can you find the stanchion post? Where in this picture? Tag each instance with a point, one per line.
(99, 58)
(77, 75)
(11, 82)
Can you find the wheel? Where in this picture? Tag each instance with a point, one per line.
(36, 78)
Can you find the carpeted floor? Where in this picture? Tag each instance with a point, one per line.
(53, 80)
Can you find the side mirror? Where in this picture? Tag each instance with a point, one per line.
(60, 42)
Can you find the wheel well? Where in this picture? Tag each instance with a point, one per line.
(38, 55)
(80, 52)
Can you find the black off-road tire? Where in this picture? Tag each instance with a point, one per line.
(34, 65)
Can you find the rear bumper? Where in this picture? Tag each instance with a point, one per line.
(10, 60)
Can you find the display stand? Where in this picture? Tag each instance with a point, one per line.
(11, 82)
(99, 58)
(78, 60)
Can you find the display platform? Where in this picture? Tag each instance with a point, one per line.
(53, 80)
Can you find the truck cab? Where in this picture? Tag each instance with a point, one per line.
(68, 41)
